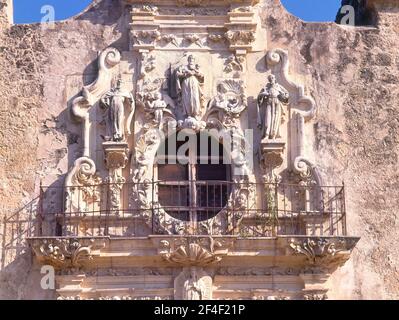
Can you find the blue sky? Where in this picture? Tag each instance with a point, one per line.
(27, 11)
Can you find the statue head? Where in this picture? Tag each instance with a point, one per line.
(157, 96)
(272, 79)
(193, 273)
(119, 84)
(191, 59)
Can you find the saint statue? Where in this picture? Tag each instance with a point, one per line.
(271, 99)
(194, 288)
(188, 87)
(114, 102)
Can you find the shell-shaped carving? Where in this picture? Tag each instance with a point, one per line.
(193, 254)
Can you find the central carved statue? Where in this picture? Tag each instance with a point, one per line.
(114, 102)
(271, 99)
(194, 288)
(188, 87)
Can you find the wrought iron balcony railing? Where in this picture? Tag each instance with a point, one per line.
(192, 207)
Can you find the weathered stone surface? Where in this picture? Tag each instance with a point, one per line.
(354, 76)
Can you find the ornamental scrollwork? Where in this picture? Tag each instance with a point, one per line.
(82, 183)
(146, 37)
(229, 103)
(65, 253)
(319, 250)
(240, 37)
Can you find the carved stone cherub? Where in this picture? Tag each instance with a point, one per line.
(158, 107)
(114, 102)
(271, 99)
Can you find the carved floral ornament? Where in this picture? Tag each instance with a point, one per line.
(66, 253)
(321, 250)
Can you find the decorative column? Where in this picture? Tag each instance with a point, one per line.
(116, 158)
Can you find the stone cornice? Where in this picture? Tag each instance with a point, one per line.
(171, 250)
(194, 3)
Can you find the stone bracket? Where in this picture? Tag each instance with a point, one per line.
(193, 251)
(272, 156)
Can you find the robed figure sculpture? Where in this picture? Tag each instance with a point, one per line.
(270, 108)
(114, 102)
(188, 80)
(194, 288)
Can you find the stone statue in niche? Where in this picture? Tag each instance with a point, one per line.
(271, 99)
(194, 288)
(114, 102)
(188, 80)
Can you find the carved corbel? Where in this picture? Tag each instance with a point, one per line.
(271, 158)
(235, 63)
(323, 251)
(66, 253)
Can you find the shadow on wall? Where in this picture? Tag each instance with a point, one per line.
(16, 258)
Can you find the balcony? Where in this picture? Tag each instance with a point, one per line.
(215, 208)
(288, 238)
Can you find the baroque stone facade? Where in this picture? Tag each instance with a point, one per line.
(85, 113)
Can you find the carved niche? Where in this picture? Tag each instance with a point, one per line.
(83, 190)
(303, 109)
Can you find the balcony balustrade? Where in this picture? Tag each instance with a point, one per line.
(192, 208)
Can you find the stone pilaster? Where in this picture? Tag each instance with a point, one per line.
(116, 158)
(314, 286)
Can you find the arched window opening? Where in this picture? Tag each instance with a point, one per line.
(193, 177)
